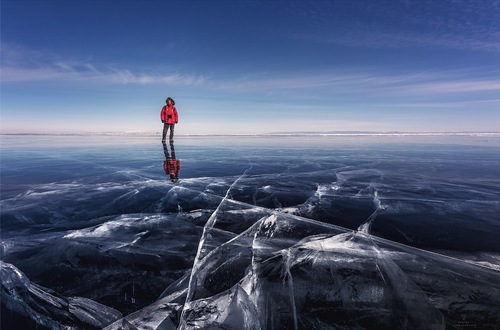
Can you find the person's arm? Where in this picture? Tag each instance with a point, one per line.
(176, 115)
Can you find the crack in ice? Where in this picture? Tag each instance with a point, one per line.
(208, 226)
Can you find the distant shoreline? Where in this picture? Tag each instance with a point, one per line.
(283, 134)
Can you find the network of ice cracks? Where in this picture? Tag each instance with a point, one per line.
(271, 268)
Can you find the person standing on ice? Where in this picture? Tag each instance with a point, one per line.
(169, 118)
(171, 165)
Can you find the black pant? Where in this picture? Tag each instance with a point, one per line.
(165, 130)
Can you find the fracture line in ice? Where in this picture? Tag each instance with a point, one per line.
(407, 294)
(287, 255)
(206, 232)
(365, 227)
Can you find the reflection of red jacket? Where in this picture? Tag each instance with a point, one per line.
(169, 115)
(172, 167)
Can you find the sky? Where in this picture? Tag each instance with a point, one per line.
(250, 66)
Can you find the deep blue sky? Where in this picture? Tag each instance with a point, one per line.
(250, 66)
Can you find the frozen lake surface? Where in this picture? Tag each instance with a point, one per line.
(269, 232)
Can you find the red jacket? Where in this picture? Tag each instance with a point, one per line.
(172, 166)
(169, 115)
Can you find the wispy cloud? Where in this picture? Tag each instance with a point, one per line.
(362, 82)
(25, 65)
(453, 87)
(448, 104)
(382, 38)
(22, 65)
(447, 24)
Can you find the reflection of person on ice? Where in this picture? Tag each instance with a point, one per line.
(169, 118)
(171, 165)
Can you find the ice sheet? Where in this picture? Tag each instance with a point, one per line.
(311, 235)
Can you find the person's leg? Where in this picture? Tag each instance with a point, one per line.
(172, 148)
(164, 135)
(165, 150)
(172, 132)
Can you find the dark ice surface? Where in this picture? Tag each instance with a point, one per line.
(261, 232)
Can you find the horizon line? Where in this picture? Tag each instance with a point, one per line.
(271, 134)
